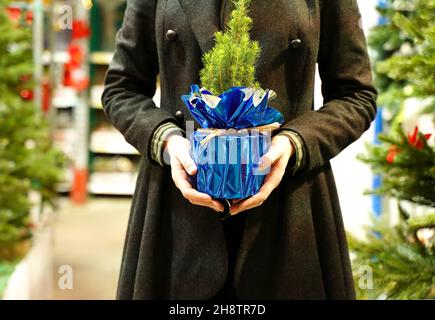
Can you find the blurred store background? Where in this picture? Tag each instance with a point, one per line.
(67, 176)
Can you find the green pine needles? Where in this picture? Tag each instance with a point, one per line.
(402, 264)
(232, 62)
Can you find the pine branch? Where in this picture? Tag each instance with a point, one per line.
(232, 61)
(385, 40)
(402, 269)
(416, 66)
(407, 171)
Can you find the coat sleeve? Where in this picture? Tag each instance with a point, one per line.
(349, 96)
(130, 81)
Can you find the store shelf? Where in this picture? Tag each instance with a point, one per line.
(97, 91)
(101, 57)
(63, 187)
(95, 96)
(112, 183)
(97, 106)
(110, 141)
(60, 57)
(65, 97)
(64, 140)
(112, 161)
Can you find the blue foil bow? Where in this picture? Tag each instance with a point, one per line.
(237, 108)
(228, 163)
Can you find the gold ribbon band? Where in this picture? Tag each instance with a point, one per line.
(213, 133)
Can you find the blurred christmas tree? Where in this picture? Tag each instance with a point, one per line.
(385, 40)
(402, 257)
(413, 66)
(27, 160)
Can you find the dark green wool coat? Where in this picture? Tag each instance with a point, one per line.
(294, 245)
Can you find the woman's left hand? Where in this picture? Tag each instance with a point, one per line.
(276, 160)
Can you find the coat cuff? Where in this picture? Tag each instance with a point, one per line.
(159, 137)
(298, 145)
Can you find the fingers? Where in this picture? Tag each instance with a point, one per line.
(250, 203)
(178, 149)
(187, 163)
(201, 199)
(270, 158)
(281, 147)
(184, 158)
(195, 197)
(273, 179)
(271, 182)
(183, 165)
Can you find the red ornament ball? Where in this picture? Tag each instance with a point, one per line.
(26, 94)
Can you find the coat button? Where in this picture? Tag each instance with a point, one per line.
(179, 115)
(171, 35)
(296, 43)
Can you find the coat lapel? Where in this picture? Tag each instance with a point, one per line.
(204, 18)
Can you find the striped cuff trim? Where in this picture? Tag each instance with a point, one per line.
(298, 145)
(159, 137)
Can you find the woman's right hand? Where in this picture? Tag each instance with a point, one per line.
(182, 166)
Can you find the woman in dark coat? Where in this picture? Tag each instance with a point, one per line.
(288, 242)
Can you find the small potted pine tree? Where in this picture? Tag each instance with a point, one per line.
(233, 112)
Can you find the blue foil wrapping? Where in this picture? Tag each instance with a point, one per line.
(228, 164)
